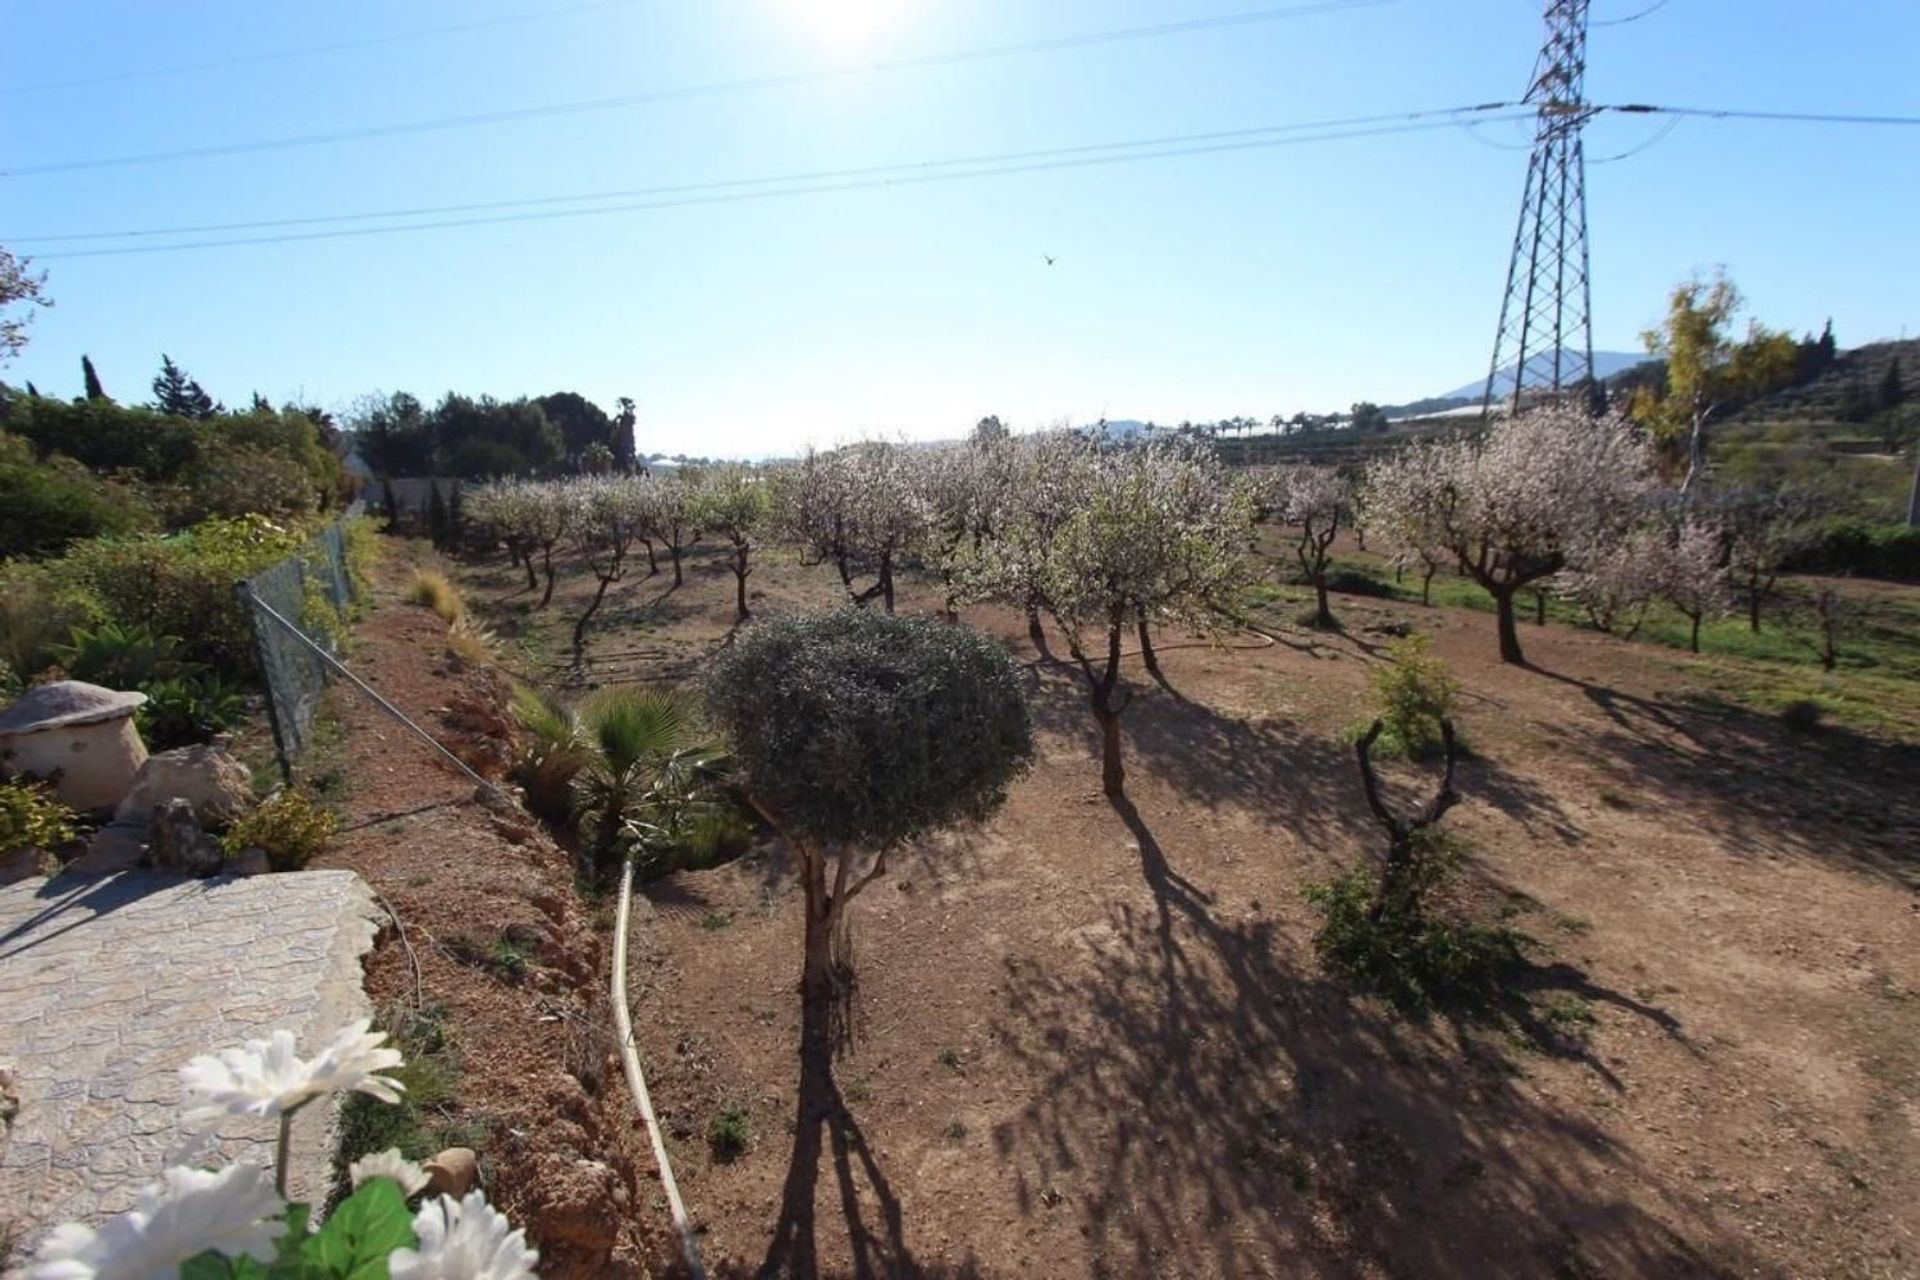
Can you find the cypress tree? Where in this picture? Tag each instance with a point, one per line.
(1892, 389)
(94, 390)
(391, 503)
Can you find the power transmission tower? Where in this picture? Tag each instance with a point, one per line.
(1544, 345)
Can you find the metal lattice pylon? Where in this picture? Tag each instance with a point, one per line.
(1544, 345)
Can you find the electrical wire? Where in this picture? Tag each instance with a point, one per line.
(818, 175)
(1659, 135)
(1716, 113)
(900, 180)
(1647, 12)
(306, 51)
(685, 92)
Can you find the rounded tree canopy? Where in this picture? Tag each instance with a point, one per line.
(859, 727)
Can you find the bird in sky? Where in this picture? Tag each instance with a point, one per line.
(1048, 257)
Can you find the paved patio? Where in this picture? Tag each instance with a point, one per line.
(109, 984)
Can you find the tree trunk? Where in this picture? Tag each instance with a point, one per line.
(580, 627)
(1426, 586)
(548, 560)
(886, 582)
(653, 566)
(1036, 632)
(673, 549)
(740, 572)
(1113, 775)
(1322, 612)
(1539, 608)
(1147, 655)
(1694, 640)
(1509, 634)
(1753, 611)
(523, 557)
(819, 985)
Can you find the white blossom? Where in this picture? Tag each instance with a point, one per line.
(392, 1165)
(185, 1213)
(267, 1078)
(464, 1240)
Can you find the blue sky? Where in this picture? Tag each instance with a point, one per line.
(1199, 286)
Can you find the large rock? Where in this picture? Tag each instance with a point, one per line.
(175, 842)
(207, 777)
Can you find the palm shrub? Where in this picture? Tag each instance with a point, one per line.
(122, 655)
(646, 775)
(554, 751)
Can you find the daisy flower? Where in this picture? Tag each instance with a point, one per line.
(185, 1213)
(389, 1164)
(464, 1240)
(267, 1078)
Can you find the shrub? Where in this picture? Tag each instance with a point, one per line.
(40, 605)
(32, 817)
(47, 505)
(363, 552)
(182, 585)
(184, 711)
(1412, 693)
(554, 752)
(728, 1134)
(121, 656)
(1848, 545)
(648, 775)
(290, 827)
(470, 642)
(1802, 715)
(433, 591)
(1413, 960)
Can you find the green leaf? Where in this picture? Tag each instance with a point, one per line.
(213, 1266)
(367, 1227)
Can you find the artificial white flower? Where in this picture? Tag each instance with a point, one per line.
(464, 1240)
(185, 1213)
(267, 1078)
(389, 1164)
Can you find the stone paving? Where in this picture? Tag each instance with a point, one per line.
(108, 985)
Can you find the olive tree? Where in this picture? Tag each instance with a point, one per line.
(1098, 538)
(736, 503)
(855, 733)
(1539, 492)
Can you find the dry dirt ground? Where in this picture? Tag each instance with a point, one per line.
(1096, 1041)
(536, 1089)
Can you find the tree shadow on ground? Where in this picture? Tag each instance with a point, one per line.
(1287, 774)
(1827, 793)
(826, 1132)
(1206, 1107)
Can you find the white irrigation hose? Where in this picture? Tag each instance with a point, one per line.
(637, 1080)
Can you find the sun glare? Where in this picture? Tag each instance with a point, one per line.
(846, 25)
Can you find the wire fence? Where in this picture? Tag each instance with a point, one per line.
(312, 591)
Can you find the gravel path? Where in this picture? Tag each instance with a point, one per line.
(108, 985)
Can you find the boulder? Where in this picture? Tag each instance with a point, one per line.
(176, 844)
(250, 861)
(207, 777)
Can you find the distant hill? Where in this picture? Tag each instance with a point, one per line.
(1605, 365)
(1844, 392)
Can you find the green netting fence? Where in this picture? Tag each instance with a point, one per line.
(314, 592)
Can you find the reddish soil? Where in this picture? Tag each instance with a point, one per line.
(534, 1051)
(1097, 1041)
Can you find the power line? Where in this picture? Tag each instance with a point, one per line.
(1718, 113)
(1659, 135)
(1451, 114)
(709, 89)
(915, 175)
(1647, 12)
(282, 55)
